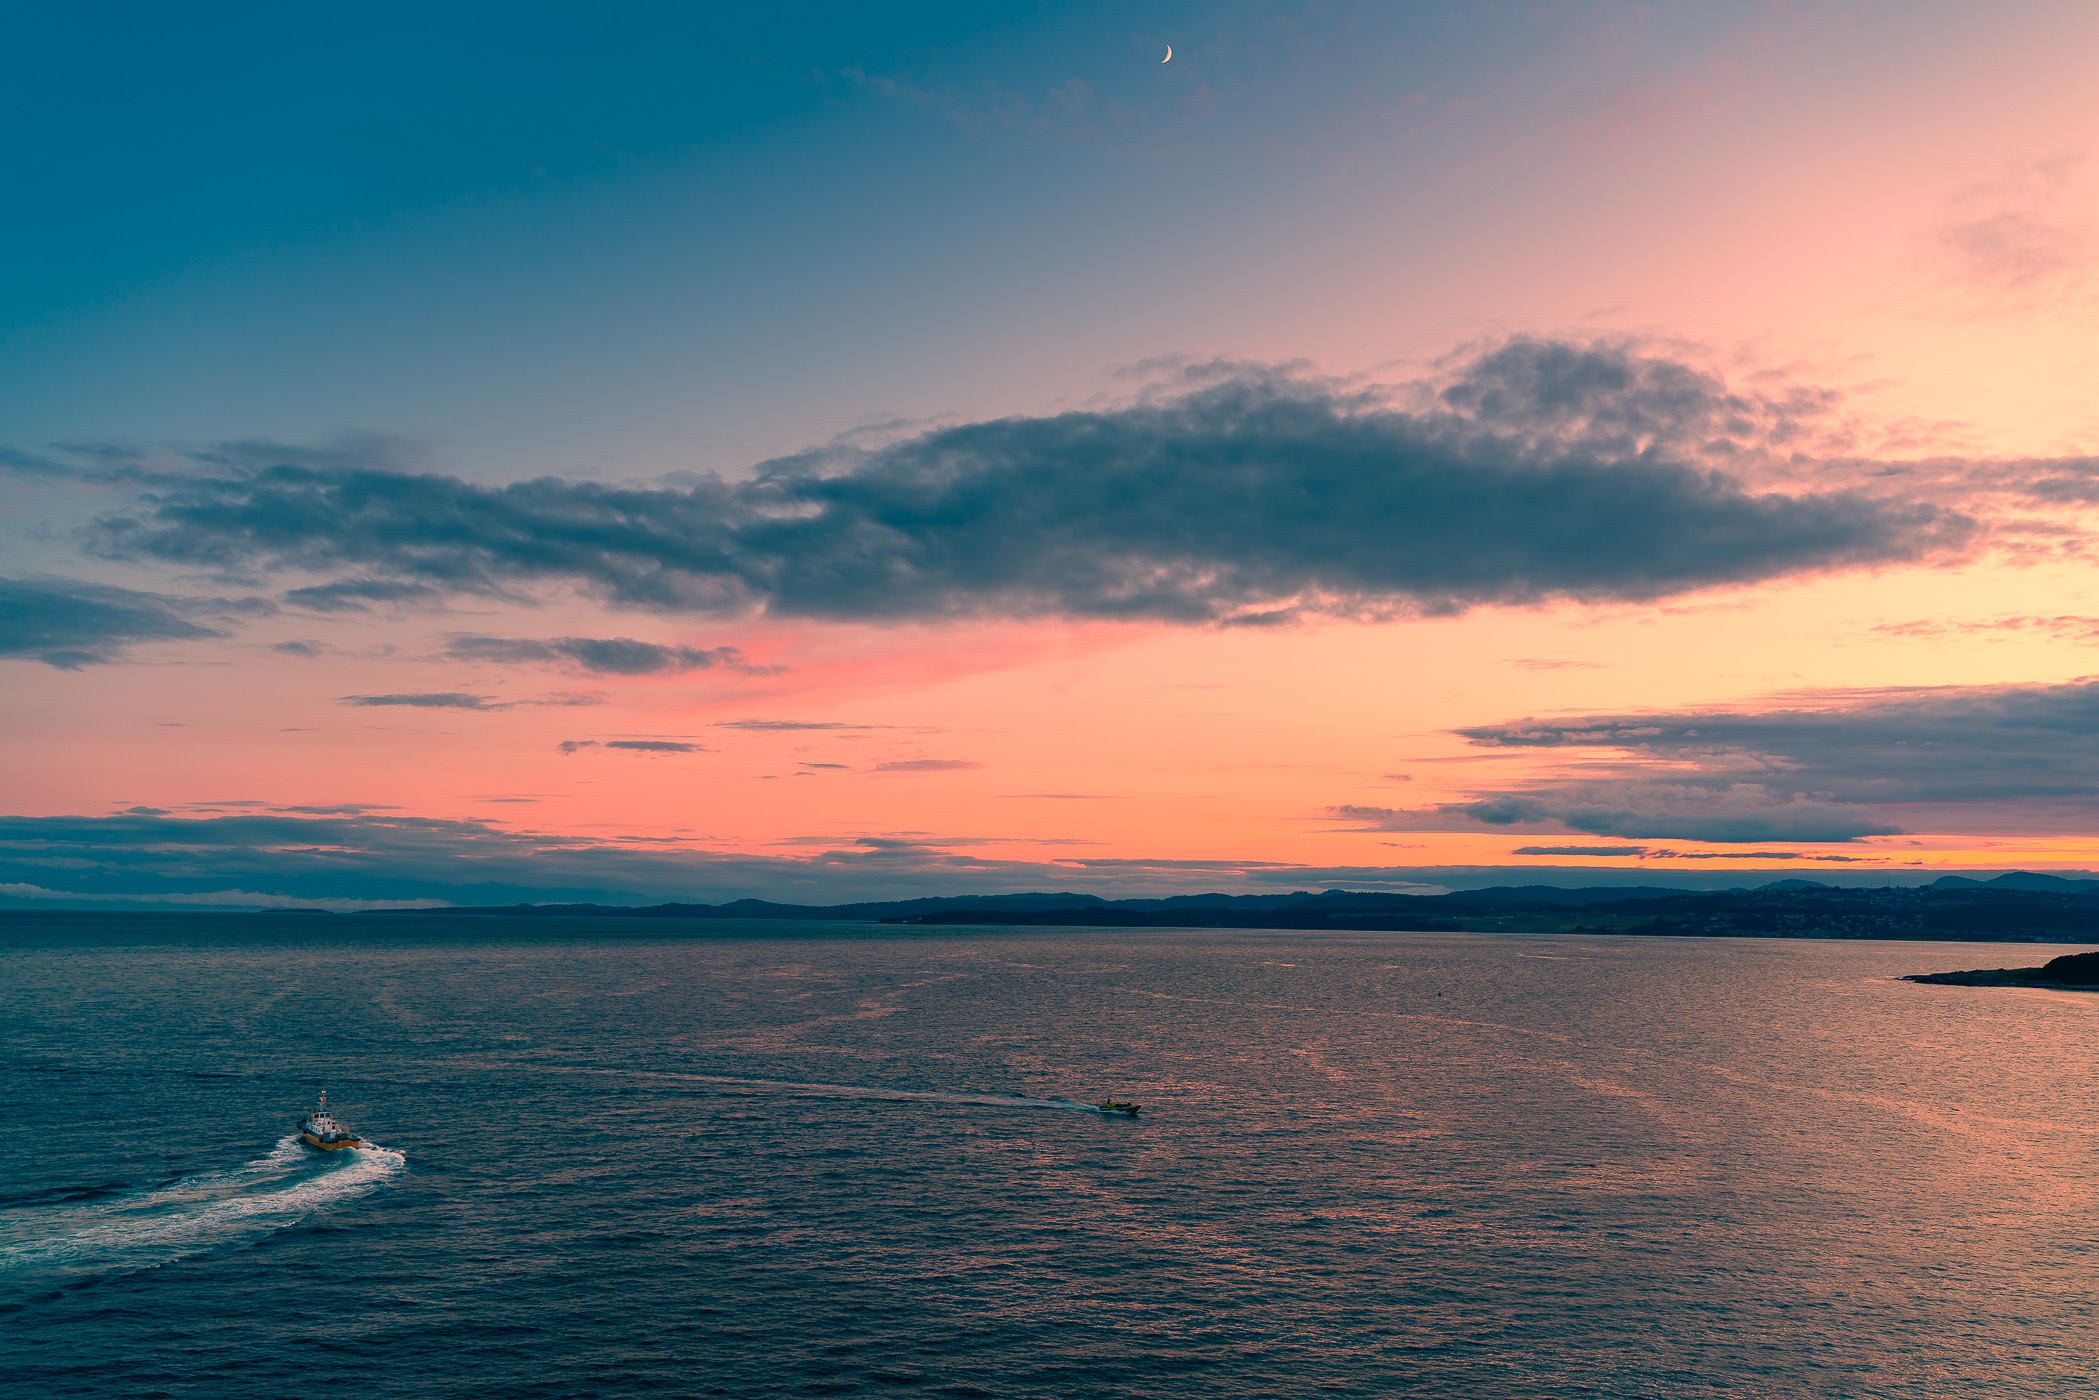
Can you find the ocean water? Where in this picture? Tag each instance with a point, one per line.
(781, 1160)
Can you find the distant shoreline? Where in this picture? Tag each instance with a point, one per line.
(2016, 908)
(2021, 909)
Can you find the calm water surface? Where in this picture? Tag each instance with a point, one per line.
(764, 1159)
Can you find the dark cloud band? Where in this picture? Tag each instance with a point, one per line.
(367, 859)
(1543, 472)
(1838, 768)
(600, 656)
(69, 624)
(1940, 744)
(425, 700)
(459, 700)
(1721, 812)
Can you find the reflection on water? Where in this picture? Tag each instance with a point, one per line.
(808, 1160)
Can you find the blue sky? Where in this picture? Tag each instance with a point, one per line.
(624, 239)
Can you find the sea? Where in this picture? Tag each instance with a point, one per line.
(626, 1158)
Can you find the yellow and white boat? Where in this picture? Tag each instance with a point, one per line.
(318, 1130)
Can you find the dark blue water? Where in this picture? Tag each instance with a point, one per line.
(813, 1160)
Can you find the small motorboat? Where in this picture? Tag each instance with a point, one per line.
(1126, 1110)
(318, 1130)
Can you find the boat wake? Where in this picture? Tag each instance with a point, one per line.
(127, 1230)
(859, 1091)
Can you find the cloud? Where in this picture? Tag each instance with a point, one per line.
(69, 624)
(1065, 796)
(2075, 627)
(384, 857)
(2020, 253)
(1756, 855)
(1658, 853)
(763, 725)
(459, 700)
(2072, 481)
(1159, 863)
(427, 700)
(1735, 812)
(1538, 471)
(603, 656)
(222, 899)
(2019, 240)
(353, 595)
(1908, 745)
(1831, 766)
(1437, 879)
(1393, 880)
(925, 765)
(389, 857)
(1579, 851)
(570, 746)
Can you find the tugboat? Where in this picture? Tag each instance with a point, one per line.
(317, 1129)
(1127, 1110)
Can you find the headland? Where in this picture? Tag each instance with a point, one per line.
(2074, 972)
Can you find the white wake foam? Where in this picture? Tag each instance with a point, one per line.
(141, 1229)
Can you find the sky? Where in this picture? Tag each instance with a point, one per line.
(471, 454)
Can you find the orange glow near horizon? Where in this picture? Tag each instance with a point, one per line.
(1096, 742)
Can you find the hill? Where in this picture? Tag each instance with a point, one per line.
(2020, 907)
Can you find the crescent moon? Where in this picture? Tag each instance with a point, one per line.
(1169, 55)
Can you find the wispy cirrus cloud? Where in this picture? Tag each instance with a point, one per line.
(2022, 239)
(2072, 627)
